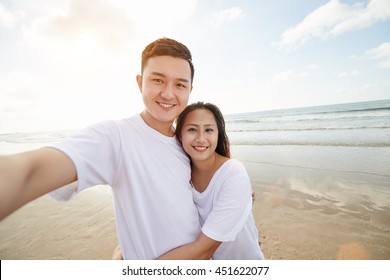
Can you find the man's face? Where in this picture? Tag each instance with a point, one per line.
(166, 86)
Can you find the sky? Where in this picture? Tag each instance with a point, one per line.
(65, 64)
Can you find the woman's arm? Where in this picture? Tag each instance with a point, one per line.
(201, 249)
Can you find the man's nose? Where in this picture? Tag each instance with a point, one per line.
(168, 91)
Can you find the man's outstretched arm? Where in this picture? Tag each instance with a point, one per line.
(27, 176)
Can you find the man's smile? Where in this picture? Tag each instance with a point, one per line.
(166, 105)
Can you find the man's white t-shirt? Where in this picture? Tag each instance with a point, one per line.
(225, 211)
(149, 174)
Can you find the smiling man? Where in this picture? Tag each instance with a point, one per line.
(165, 86)
(138, 157)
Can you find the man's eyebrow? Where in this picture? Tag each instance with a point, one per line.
(157, 74)
(162, 75)
(184, 80)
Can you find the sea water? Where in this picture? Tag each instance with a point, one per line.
(12, 143)
(363, 124)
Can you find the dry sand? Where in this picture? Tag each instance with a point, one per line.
(301, 214)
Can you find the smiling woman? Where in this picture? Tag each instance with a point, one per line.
(221, 190)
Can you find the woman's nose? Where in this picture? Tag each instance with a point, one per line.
(200, 137)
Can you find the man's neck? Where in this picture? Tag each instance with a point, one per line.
(164, 128)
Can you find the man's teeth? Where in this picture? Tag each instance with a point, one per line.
(166, 105)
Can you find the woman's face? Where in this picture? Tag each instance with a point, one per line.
(199, 134)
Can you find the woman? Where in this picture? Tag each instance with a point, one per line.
(221, 189)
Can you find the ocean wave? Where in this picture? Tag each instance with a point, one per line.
(308, 143)
(310, 118)
(379, 109)
(353, 110)
(35, 137)
(254, 129)
(318, 137)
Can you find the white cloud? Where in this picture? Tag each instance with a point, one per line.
(21, 97)
(348, 74)
(250, 63)
(333, 19)
(19, 85)
(381, 53)
(226, 16)
(113, 25)
(102, 23)
(311, 67)
(155, 18)
(366, 87)
(289, 75)
(9, 18)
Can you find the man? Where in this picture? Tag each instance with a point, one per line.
(138, 157)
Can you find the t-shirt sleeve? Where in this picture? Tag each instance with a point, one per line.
(231, 208)
(95, 154)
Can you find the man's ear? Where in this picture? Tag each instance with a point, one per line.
(139, 82)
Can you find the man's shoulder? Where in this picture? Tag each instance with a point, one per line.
(118, 124)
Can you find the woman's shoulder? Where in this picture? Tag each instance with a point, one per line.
(234, 167)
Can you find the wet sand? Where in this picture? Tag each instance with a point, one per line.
(338, 223)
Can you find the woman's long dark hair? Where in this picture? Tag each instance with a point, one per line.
(223, 145)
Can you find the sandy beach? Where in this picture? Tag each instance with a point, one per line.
(316, 211)
(79, 229)
(296, 225)
(302, 214)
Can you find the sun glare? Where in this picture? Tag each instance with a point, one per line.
(86, 41)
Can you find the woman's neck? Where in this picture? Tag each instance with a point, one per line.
(202, 171)
(203, 165)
